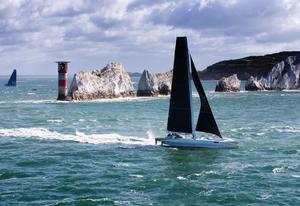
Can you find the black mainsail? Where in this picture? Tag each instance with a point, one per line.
(13, 79)
(180, 111)
(180, 117)
(206, 121)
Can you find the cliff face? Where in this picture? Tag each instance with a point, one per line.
(284, 75)
(256, 66)
(110, 82)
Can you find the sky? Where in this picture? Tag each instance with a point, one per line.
(140, 34)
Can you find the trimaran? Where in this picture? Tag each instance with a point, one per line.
(180, 119)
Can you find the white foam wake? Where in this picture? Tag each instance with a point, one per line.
(43, 133)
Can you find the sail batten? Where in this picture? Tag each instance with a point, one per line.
(180, 112)
(206, 121)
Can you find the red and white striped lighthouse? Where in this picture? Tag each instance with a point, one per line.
(62, 80)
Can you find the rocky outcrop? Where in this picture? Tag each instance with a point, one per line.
(284, 75)
(256, 66)
(229, 84)
(110, 82)
(154, 84)
(253, 84)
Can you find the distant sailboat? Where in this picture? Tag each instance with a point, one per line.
(13, 79)
(180, 118)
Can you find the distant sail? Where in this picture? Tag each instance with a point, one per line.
(13, 79)
(180, 116)
(206, 121)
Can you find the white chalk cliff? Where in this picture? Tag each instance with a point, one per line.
(284, 75)
(110, 82)
(154, 84)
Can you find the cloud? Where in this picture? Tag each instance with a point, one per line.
(141, 34)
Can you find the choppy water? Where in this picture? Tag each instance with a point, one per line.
(103, 153)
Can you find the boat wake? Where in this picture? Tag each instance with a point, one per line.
(43, 133)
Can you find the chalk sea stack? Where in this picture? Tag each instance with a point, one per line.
(110, 82)
(154, 84)
(253, 84)
(228, 84)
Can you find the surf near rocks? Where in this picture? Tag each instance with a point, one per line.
(228, 84)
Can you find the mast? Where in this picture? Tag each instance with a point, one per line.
(191, 98)
(180, 112)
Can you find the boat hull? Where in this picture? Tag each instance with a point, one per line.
(200, 143)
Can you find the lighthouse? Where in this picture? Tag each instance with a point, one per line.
(62, 80)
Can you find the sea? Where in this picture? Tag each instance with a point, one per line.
(102, 152)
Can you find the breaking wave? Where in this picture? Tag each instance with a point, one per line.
(43, 133)
(286, 129)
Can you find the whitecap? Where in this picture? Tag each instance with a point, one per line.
(136, 176)
(181, 178)
(43, 133)
(203, 173)
(265, 196)
(55, 120)
(122, 164)
(286, 129)
(97, 199)
(210, 172)
(279, 170)
(122, 202)
(206, 193)
(240, 129)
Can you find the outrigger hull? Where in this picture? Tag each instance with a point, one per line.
(199, 143)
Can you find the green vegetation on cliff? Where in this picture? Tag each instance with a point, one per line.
(256, 66)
